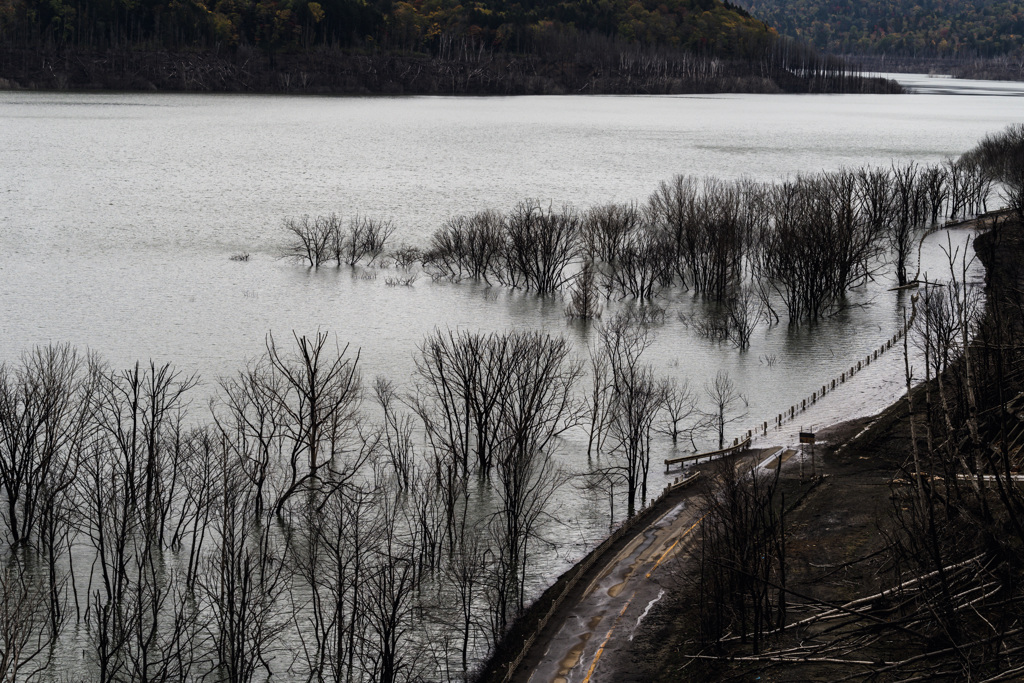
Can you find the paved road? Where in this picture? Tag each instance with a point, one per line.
(615, 603)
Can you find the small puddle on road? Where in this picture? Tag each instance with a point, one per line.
(572, 658)
(652, 540)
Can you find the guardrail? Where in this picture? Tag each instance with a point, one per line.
(711, 455)
(797, 408)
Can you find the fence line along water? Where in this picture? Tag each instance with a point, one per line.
(739, 444)
(796, 409)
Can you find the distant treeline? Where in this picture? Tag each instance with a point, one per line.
(463, 67)
(708, 26)
(1003, 68)
(347, 46)
(964, 29)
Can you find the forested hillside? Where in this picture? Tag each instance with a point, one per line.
(963, 29)
(424, 46)
(706, 25)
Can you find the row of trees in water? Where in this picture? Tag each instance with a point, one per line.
(756, 251)
(307, 524)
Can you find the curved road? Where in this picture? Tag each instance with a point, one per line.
(612, 607)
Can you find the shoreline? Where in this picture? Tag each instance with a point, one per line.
(837, 540)
(841, 442)
(335, 71)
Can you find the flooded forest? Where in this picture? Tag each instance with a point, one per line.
(302, 520)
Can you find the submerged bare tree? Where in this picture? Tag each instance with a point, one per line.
(468, 246)
(253, 424)
(584, 298)
(635, 404)
(44, 421)
(366, 238)
(318, 394)
(679, 412)
(541, 245)
(705, 227)
(24, 636)
(817, 245)
(641, 265)
(624, 404)
(502, 399)
(319, 239)
(539, 407)
(605, 229)
(907, 209)
(396, 439)
(728, 405)
(141, 617)
(241, 585)
(310, 240)
(463, 377)
(744, 311)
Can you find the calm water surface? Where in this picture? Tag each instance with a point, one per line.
(118, 214)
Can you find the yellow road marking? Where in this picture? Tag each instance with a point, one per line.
(600, 650)
(626, 551)
(665, 554)
(615, 624)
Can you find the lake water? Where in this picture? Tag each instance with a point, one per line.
(119, 212)
(941, 84)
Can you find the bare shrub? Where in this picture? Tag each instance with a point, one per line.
(401, 280)
(541, 244)
(310, 240)
(405, 257)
